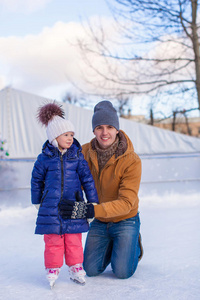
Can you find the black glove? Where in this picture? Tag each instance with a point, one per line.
(76, 209)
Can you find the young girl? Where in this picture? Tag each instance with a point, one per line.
(60, 172)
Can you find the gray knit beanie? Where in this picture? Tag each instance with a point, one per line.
(105, 114)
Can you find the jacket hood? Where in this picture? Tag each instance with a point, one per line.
(50, 150)
(125, 144)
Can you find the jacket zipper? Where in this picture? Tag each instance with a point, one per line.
(62, 176)
(62, 184)
(43, 197)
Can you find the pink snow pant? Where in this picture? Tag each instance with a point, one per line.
(58, 246)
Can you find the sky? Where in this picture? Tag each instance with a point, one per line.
(37, 38)
(24, 17)
(39, 52)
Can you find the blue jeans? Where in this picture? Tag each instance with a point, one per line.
(115, 243)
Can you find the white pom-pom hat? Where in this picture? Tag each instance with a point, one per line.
(58, 126)
(52, 116)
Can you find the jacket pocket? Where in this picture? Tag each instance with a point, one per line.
(43, 197)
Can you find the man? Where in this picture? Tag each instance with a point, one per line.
(114, 233)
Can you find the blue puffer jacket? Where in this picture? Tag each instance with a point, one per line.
(56, 177)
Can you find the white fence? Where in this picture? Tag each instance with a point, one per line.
(161, 174)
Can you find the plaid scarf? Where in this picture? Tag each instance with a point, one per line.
(103, 155)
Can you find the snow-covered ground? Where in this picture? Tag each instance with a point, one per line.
(169, 269)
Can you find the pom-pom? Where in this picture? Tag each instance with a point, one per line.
(48, 111)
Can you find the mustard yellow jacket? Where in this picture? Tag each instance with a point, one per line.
(118, 183)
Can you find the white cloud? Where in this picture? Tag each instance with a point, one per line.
(23, 5)
(45, 62)
(39, 62)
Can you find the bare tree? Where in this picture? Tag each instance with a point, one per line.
(151, 117)
(122, 105)
(176, 120)
(73, 99)
(68, 97)
(156, 53)
(177, 117)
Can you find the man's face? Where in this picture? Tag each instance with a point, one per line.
(105, 135)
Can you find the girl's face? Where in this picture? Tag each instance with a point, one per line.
(105, 135)
(65, 140)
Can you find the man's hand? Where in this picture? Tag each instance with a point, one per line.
(76, 209)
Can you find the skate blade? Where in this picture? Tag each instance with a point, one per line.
(78, 282)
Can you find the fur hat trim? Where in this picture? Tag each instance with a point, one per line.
(48, 111)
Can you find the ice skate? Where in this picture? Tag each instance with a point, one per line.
(77, 274)
(52, 276)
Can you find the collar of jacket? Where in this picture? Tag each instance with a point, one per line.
(51, 151)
